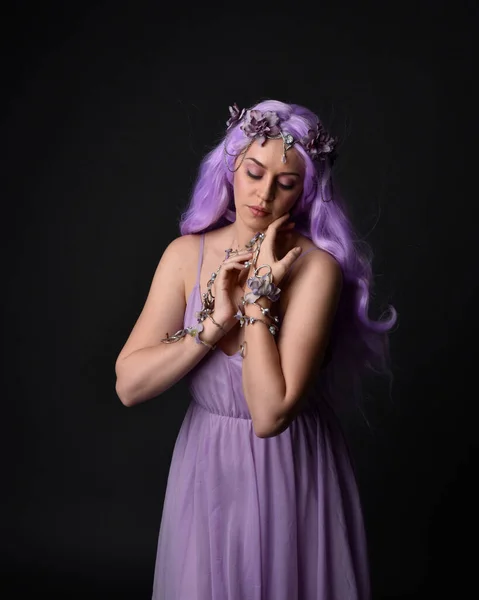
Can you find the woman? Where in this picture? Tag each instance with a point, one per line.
(261, 501)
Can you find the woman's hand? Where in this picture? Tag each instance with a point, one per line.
(228, 286)
(267, 254)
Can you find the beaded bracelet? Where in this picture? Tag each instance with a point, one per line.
(264, 310)
(260, 286)
(210, 316)
(245, 320)
(193, 331)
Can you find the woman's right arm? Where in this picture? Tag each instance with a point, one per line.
(146, 367)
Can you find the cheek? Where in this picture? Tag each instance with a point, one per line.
(292, 198)
(241, 186)
(292, 195)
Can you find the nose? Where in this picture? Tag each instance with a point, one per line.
(266, 189)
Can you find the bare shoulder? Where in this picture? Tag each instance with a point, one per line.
(184, 251)
(183, 246)
(314, 265)
(313, 257)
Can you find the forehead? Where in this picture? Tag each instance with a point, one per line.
(270, 155)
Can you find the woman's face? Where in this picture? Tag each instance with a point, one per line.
(264, 181)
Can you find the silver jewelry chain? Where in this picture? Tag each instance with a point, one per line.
(208, 299)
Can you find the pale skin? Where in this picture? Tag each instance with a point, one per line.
(276, 370)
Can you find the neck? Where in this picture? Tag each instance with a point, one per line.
(238, 234)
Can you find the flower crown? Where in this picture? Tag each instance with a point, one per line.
(318, 144)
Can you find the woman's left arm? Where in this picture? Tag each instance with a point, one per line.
(277, 372)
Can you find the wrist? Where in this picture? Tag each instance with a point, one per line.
(221, 324)
(210, 334)
(228, 322)
(262, 301)
(262, 310)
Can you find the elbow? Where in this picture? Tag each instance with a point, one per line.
(273, 425)
(123, 387)
(264, 434)
(122, 394)
(261, 432)
(131, 392)
(267, 429)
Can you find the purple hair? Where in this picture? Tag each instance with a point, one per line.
(358, 343)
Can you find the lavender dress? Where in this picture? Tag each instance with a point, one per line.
(246, 518)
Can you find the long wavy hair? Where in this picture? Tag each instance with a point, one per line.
(358, 343)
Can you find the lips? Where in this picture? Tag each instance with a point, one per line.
(259, 210)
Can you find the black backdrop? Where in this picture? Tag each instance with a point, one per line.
(107, 109)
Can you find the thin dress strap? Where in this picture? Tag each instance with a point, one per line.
(307, 252)
(200, 259)
(303, 254)
(288, 272)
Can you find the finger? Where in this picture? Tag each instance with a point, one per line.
(237, 264)
(226, 270)
(291, 256)
(280, 221)
(273, 229)
(230, 266)
(238, 257)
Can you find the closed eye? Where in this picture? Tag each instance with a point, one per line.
(281, 185)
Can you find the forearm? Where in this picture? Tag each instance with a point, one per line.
(264, 386)
(148, 372)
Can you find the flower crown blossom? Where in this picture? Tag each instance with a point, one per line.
(236, 116)
(318, 144)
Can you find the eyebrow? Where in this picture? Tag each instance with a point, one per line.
(261, 165)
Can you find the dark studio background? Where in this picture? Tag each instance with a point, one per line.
(107, 109)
